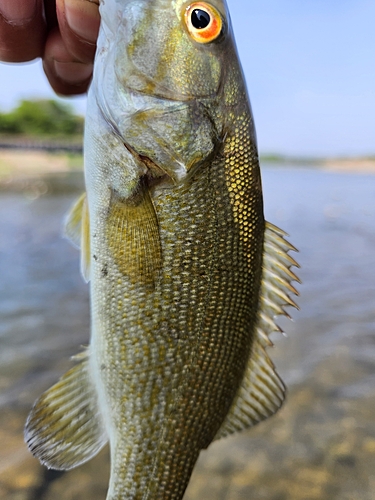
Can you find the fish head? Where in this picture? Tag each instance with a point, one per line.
(160, 76)
(160, 52)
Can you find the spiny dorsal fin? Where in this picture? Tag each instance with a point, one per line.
(262, 392)
(77, 230)
(65, 428)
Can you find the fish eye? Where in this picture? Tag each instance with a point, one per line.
(203, 22)
(200, 19)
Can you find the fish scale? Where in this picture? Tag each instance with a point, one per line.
(180, 282)
(185, 275)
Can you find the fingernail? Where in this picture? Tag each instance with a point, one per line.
(83, 21)
(72, 72)
(18, 11)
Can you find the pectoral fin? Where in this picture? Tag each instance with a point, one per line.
(133, 236)
(73, 221)
(77, 230)
(262, 392)
(65, 428)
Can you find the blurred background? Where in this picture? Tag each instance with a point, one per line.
(311, 78)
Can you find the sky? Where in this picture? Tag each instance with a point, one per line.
(310, 70)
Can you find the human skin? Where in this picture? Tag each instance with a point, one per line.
(64, 37)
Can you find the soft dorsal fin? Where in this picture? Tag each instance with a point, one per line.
(262, 392)
(65, 428)
(77, 230)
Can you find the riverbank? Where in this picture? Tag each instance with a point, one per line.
(352, 165)
(17, 165)
(35, 173)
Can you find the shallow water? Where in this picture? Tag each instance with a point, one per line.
(321, 445)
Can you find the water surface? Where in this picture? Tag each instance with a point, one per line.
(321, 445)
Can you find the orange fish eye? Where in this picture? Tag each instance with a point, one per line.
(203, 22)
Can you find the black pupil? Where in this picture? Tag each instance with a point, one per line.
(200, 19)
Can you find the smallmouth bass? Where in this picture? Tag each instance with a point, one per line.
(185, 275)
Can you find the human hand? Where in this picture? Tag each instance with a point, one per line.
(62, 32)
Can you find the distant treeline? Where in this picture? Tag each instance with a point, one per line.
(44, 117)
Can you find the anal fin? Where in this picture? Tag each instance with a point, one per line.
(64, 428)
(262, 392)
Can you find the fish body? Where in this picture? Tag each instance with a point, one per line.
(185, 274)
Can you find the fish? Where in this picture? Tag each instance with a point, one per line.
(186, 276)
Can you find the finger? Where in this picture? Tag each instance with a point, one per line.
(66, 75)
(79, 22)
(22, 30)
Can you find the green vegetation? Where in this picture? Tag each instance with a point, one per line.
(46, 118)
(290, 160)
